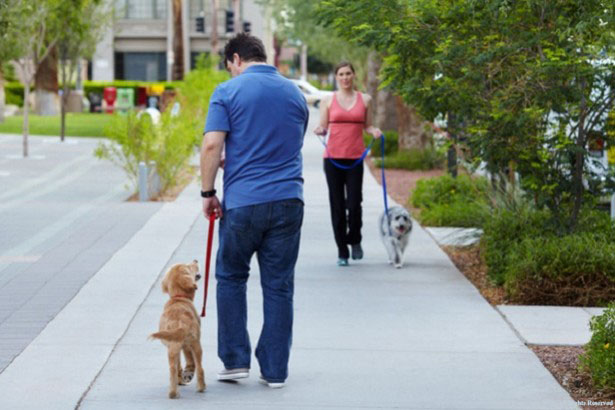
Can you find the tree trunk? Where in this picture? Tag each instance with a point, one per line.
(26, 120)
(178, 43)
(46, 85)
(384, 111)
(2, 95)
(579, 160)
(214, 27)
(63, 102)
(410, 127)
(452, 151)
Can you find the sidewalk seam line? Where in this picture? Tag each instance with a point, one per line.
(85, 393)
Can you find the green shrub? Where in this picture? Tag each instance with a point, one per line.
(412, 160)
(171, 143)
(391, 144)
(14, 93)
(599, 357)
(504, 230)
(446, 189)
(458, 213)
(575, 270)
(448, 201)
(133, 140)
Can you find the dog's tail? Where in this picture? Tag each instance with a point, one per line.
(176, 335)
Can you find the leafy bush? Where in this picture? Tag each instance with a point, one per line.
(599, 357)
(446, 189)
(14, 93)
(448, 201)
(391, 144)
(505, 229)
(412, 160)
(576, 269)
(170, 143)
(133, 139)
(457, 213)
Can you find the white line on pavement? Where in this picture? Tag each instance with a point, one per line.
(50, 182)
(49, 231)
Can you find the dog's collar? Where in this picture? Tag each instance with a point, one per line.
(182, 297)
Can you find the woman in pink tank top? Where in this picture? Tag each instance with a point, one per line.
(345, 115)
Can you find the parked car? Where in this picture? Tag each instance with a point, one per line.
(313, 95)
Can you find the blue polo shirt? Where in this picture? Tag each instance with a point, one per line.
(265, 117)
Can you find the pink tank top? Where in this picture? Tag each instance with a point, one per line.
(346, 129)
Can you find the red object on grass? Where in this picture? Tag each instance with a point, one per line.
(110, 95)
(210, 240)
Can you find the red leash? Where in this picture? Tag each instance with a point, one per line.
(210, 240)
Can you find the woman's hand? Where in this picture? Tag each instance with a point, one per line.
(374, 131)
(321, 131)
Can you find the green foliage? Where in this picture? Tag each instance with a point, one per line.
(448, 201)
(526, 81)
(77, 124)
(171, 143)
(14, 93)
(599, 357)
(413, 159)
(391, 143)
(575, 269)
(525, 244)
(131, 140)
(504, 230)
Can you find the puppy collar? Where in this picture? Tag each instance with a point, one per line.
(182, 297)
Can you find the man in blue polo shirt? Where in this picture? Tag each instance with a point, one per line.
(259, 119)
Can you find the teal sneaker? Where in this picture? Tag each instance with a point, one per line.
(342, 262)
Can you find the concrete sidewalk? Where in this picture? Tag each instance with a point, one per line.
(366, 336)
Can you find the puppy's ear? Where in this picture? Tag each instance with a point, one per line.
(186, 284)
(165, 285)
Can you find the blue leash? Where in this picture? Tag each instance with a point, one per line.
(358, 161)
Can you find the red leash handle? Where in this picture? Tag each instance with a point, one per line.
(210, 240)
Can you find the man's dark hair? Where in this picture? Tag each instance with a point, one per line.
(249, 48)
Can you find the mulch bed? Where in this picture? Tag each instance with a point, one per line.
(561, 361)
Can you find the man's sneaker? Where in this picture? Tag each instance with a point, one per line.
(233, 374)
(357, 251)
(273, 385)
(342, 262)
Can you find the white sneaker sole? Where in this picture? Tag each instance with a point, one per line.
(271, 385)
(233, 376)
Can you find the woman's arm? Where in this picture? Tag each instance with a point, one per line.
(324, 117)
(369, 128)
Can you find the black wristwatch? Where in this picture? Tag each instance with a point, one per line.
(208, 194)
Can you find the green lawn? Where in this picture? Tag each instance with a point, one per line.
(77, 125)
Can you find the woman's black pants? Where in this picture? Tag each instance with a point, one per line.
(345, 197)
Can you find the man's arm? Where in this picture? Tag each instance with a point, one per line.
(211, 155)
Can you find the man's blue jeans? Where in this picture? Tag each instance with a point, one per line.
(271, 230)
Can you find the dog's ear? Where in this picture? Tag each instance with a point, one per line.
(186, 284)
(165, 285)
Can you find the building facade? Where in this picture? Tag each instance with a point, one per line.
(139, 44)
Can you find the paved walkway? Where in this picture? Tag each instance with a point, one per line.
(366, 337)
(62, 216)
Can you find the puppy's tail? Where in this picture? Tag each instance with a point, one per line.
(176, 335)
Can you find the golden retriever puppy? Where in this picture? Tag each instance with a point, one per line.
(180, 326)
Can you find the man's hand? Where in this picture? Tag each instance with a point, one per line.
(211, 205)
(321, 131)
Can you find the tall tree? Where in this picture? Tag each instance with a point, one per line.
(9, 36)
(85, 22)
(32, 20)
(178, 41)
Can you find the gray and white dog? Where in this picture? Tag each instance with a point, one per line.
(395, 239)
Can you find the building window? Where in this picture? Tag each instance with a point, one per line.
(141, 66)
(141, 9)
